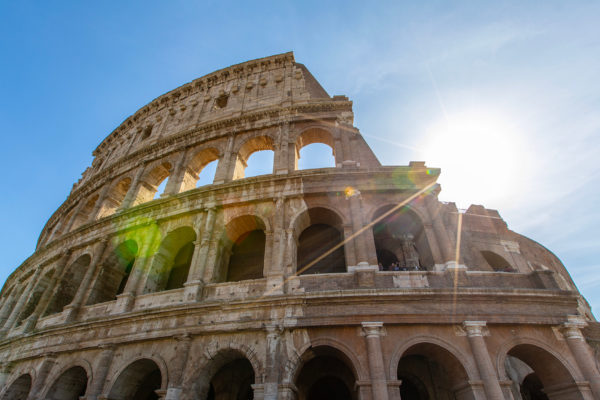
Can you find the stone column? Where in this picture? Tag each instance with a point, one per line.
(282, 150)
(195, 283)
(42, 374)
(8, 306)
(20, 303)
(76, 211)
(99, 379)
(176, 179)
(433, 243)
(82, 290)
(101, 198)
(439, 228)
(271, 384)
(349, 246)
(582, 352)
(6, 368)
(177, 369)
(372, 331)
(482, 359)
(357, 225)
(224, 172)
(133, 189)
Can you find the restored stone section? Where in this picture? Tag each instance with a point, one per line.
(346, 282)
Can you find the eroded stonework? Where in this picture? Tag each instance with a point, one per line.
(333, 283)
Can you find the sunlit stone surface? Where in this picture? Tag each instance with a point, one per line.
(350, 281)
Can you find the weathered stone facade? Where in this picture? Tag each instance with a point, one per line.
(352, 282)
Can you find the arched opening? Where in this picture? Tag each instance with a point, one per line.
(261, 163)
(243, 250)
(139, 381)
(326, 374)
(497, 262)
(70, 385)
(400, 240)
(42, 285)
(537, 375)
(171, 264)
(160, 189)
(19, 389)
(85, 213)
(116, 268)
(114, 198)
(320, 235)
(315, 148)
(207, 175)
(149, 185)
(429, 371)
(229, 375)
(233, 381)
(201, 169)
(68, 285)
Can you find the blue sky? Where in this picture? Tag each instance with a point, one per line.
(503, 96)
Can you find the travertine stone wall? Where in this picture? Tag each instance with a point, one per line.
(240, 281)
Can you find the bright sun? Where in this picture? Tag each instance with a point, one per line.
(481, 156)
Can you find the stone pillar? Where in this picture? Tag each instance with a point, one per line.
(439, 228)
(259, 391)
(20, 303)
(100, 373)
(8, 306)
(126, 299)
(271, 384)
(177, 369)
(82, 290)
(349, 246)
(482, 359)
(224, 172)
(372, 331)
(582, 352)
(433, 243)
(133, 189)
(42, 374)
(6, 368)
(195, 283)
(176, 179)
(213, 253)
(71, 221)
(357, 225)
(282, 150)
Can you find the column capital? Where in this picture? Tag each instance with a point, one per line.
(273, 330)
(372, 329)
(474, 328)
(572, 328)
(185, 337)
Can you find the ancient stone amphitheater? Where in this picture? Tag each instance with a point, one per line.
(348, 282)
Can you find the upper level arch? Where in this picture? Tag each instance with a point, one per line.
(400, 239)
(114, 198)
(314, 135)
(319, 235)
(68, 284)
(150, 182)
(171, 263)
(247, 148)
(243, 249)
(200, 159)
(116, 267)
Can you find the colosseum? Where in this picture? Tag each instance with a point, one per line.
(349, 282)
